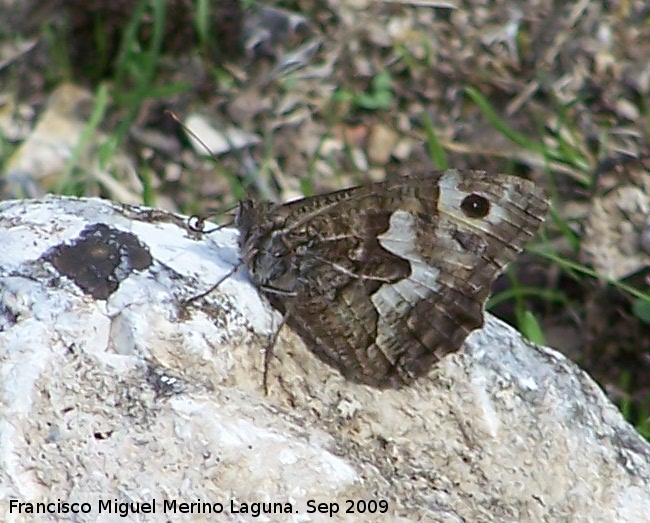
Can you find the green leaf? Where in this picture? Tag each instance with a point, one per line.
(531, 328)
(435, 149)
(382, 82)
(641, 309)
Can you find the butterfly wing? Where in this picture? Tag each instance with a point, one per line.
(382, 280)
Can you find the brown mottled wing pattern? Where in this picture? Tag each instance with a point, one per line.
(383, 280)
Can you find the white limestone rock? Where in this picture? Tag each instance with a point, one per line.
(113, 390)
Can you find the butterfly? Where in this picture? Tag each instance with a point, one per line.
(383, 280)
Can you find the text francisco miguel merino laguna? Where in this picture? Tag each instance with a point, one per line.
(124, 509)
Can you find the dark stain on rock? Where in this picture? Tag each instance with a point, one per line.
(99, 259)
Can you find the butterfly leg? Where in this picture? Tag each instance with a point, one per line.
(230, 272)
(268, 353)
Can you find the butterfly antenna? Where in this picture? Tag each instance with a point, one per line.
(189, 131)
(197, 223)
(249, 168)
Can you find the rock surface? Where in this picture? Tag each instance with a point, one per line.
(117, 396)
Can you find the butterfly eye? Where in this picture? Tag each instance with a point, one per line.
(475, 206)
